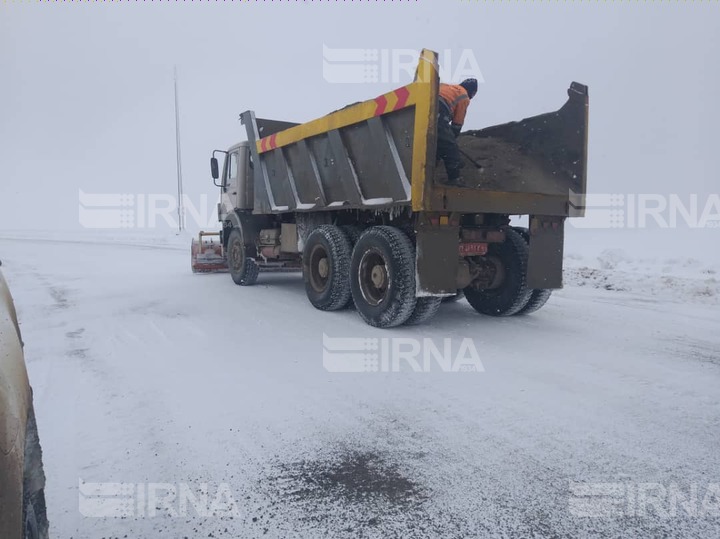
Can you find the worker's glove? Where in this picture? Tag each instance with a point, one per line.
(456, 129)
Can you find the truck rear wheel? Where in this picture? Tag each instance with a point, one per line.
(539, 296)
(512, 293)
(425, 309)
(244, 270)
(382, 279)
(453, 299)
(353, 233)
(538, 299)
(326, 262)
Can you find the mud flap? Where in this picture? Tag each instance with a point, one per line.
(437, 258)
(546, 252)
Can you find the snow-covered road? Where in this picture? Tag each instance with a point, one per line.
(145, 373)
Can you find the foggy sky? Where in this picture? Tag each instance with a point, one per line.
(86, 90)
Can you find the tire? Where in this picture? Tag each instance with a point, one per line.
(539, 296)
(382, 281)
(538, 299)
(353, 233)
(454, 299)
(425, 309)
(326, 266)
(243, 270)
(512, 294)
(524, 232)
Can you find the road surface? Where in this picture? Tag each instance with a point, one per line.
(211, 405)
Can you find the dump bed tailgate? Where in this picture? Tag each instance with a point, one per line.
(535, 166)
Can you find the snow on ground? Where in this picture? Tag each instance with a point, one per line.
(145, 373)
(669, 265)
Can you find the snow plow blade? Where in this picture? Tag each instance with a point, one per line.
(207, 254)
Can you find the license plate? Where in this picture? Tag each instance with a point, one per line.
(473, 248)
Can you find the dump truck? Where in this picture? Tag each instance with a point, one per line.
(356, 200)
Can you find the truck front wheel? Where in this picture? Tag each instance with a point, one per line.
(382, 277)
(511, 293)
(244, 270)
(326, 261)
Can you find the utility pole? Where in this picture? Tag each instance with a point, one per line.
(180, 205)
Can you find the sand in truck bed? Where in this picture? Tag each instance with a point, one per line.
(493, 164)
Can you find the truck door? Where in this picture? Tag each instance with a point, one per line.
(230, 182)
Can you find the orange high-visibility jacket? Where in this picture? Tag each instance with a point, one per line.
(457, 99)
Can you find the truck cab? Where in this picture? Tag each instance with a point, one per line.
(236, 185)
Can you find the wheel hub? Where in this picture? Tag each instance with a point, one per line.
(319, 268)
(323, 268)
(378, 275)
(498, 276)
(236, 256)
(488, 273)
(373, 277)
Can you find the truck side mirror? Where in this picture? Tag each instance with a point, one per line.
(214, 168)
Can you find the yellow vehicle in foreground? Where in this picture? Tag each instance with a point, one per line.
(22, 479)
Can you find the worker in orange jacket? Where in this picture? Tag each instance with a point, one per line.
(454, 100)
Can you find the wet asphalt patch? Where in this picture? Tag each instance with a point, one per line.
(355, 477)
(347, 492)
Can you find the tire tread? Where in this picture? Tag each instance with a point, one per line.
(402, 252)
(425, 309)
(488, 303)
(339, 253)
